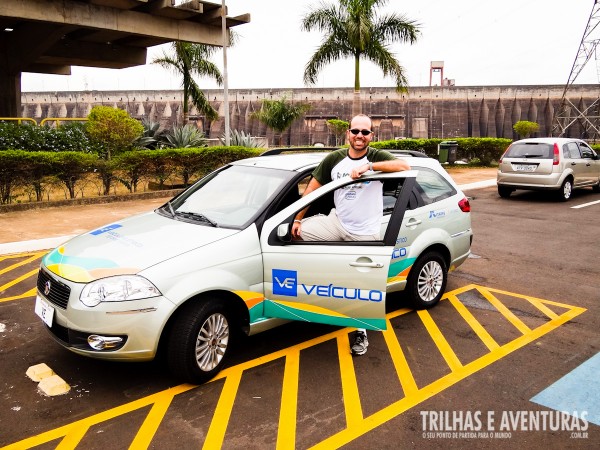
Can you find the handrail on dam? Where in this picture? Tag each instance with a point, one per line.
(58, 120)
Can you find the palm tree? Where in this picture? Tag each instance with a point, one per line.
(189, 60)
(354, 29)
(279, 114)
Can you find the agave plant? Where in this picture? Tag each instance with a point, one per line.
(186, 136)
(151, 135)
(241, 139)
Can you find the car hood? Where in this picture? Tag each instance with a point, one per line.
(129, 246)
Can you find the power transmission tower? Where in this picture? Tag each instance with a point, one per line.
(568, 114)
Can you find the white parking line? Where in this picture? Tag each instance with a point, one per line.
(585, 205)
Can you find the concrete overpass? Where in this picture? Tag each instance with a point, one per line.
(50, 36)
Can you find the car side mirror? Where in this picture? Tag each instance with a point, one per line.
(283, 232)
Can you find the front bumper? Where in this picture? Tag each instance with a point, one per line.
(139, 323)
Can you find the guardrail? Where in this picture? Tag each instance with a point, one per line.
(58, 120)
(18, 119)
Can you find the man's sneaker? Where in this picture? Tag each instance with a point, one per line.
(359, 347)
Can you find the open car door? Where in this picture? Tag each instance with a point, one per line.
(336, 283)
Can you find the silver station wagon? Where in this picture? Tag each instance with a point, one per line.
(552, 164)
(219, 258)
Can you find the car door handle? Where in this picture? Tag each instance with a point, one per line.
(366, 264)
(413, 223)
(573, 163)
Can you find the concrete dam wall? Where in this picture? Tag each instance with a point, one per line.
(423, 112)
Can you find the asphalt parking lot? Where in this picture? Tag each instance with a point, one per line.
(518, 317)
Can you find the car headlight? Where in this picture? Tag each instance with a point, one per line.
(117, 289)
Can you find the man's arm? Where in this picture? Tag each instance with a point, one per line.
(312, 185)
(392, 165)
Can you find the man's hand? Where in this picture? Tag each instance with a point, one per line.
(296, 230)
(358, 171)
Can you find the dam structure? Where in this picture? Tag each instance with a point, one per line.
(444, 112)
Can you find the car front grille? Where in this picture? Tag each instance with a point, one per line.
(56, 292)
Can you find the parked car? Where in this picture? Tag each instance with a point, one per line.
(552, 164)
(219, 258)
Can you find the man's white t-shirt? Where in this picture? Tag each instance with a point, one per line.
(359, 206)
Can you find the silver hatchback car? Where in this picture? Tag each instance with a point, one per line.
(555, 164)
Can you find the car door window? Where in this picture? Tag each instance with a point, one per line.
(586, 152)
(571, 151)
(432, 186)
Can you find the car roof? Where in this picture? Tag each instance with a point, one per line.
(546, 140)
(300, 160)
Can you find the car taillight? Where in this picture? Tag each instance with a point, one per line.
(503, 155)
(555, 161)
(464, 205)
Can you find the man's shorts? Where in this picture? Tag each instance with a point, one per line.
(329, 228)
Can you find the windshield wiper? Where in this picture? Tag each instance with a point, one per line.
(196, 216)
(169, 208)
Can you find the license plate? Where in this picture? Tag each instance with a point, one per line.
(44, 310)
(525, 167)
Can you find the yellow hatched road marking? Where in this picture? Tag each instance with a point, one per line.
(29, 293)
(286, 434)
(481, 332)
(441, 342)
(148, 429)
(220, 420)
(73, 438)
(407, 381)
(388, 413)
(537, 302)
(349, 385)
(18, 279)
(505, 311)
(20, 263)
(357, 424)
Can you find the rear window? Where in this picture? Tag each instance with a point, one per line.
(533, 150)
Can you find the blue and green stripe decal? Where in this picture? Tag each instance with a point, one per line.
(317, 314)
(398, 270)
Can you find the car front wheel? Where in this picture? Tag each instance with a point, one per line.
(565, 191)
(427, 280)
(199, 341)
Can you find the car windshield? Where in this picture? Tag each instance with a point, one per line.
(535, 150)
(230, 198)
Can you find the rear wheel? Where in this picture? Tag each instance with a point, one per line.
(427, 280)
(565, 191)
(199, 341)
(504, 191)
(596, 187)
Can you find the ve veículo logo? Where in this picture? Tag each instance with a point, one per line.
(285, 282)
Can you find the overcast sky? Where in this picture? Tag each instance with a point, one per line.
(482, 42)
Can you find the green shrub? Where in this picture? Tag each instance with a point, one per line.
(70, 168)
(113, 128)
(525, 128)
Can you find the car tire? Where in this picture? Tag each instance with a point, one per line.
(565, 191)
(504, 191)
(199, 341)
(596, 187)
(427, 280)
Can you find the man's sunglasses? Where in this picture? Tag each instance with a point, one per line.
(355, 131)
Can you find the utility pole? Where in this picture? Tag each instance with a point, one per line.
(225, 83)
(569, 113)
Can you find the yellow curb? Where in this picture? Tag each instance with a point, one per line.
(39, 372)
(54, 385)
